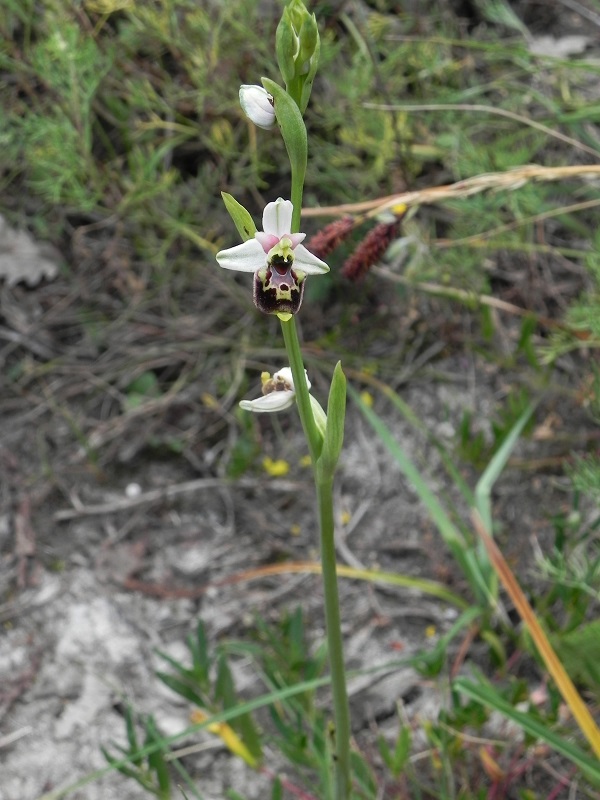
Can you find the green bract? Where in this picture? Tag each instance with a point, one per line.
(334, 431)
(241, 218)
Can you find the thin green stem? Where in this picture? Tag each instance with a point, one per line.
(324, 489)
(292, 345)
(341, 712)
(294, 89)
(296, 199)
(297, 188)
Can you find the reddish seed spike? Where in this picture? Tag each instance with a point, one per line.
(370, 250)
(331, 236)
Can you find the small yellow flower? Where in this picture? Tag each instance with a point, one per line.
(346, 517)
(430, 631)
(276, 469)
(229, 737)
(367, 399)
(209, 401)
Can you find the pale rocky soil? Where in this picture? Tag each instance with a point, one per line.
(75, 642)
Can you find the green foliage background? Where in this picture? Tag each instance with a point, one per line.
(132, 115)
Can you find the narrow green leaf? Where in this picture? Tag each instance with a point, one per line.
(249, 735)
(224, 686)
(241, 218)
(493, 470)
(201, 659)
(121, 767)
(363, 774)
(385, 752)
(334, 431)
(131, 735)
(156, 759)
(402, 750)
(277, 793)
(174, 663)
(181, 688)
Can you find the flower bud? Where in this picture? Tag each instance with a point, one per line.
(297, 46)
(309, 41)
(286, 46)
(257, 105)
(297, 14)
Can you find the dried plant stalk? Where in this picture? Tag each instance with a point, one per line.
(510, 180)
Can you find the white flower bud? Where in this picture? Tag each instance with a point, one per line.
(257, 105)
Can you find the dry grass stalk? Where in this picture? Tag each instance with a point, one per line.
(492, 181)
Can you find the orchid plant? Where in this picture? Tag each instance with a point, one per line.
(280, 264)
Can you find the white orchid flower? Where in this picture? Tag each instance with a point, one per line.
(257, 105)
(278, 259)
(278, 392)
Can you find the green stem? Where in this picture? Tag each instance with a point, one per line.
(324, 487)
(341, 711)
(294, 89)
(296, 199)
(292, 345)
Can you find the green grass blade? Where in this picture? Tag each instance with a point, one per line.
(452, 536)
(483, 490)
(417, 423)
(492, 472)
(486, 695)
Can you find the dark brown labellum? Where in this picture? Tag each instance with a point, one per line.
(277, 288)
